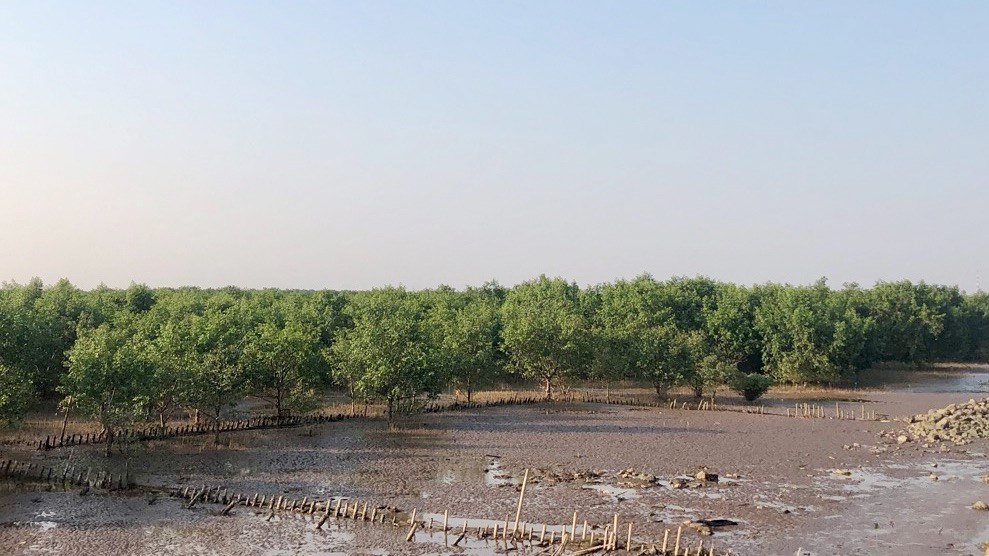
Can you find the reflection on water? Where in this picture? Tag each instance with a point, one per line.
(899, 509)
(974, 381)
(475, 472)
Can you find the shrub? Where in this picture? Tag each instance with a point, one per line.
(752, 386)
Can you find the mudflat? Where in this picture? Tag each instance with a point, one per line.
(823, 485)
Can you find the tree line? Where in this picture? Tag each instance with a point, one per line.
(140, 354)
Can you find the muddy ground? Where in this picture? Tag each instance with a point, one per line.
(776, 481)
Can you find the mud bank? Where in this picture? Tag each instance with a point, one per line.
(776, 482)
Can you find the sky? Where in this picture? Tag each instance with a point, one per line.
(350, 145)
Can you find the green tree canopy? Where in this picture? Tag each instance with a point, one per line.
(546, 330)
(385, 354)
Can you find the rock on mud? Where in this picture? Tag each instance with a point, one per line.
(958, 423)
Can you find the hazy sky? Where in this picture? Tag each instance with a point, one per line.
(357, 144)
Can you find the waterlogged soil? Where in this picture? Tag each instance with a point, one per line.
(777, 482)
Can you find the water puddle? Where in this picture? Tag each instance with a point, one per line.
(616, 493)
(762, 501)
(495, 476)
(898, 508)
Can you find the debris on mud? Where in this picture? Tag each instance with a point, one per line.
(634, 479)
(708, 526)
(549, 476)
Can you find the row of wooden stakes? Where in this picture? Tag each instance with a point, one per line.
(67, 476)
(254, 423)
(159, 433)
(815, 411)
(574, 539)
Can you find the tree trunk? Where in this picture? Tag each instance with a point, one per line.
(65, 423)
(109, 441)
(548, 381)
(661, 389)
(607, 391)
(161, 419)
(470, 393)
(391, 404)
(216, 423)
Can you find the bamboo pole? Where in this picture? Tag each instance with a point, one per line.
(518, 510)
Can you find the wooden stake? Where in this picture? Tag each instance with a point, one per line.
(628, 541)
(666, 537)
(676, 545)
(518, 510)
(326, 515)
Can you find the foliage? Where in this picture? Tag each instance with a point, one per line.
(145, 353)
(545, 330)
(283, 365)
(465, 334)
(751, 386)
(385, 354)
(108, 375)
(15, 394)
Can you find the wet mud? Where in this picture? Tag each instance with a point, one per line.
(776, 483)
